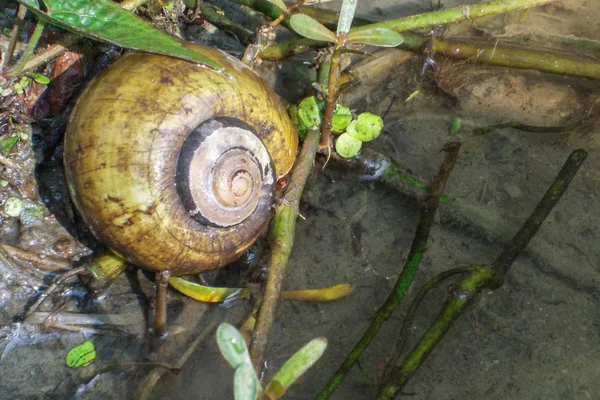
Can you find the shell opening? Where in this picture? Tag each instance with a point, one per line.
(223, 172)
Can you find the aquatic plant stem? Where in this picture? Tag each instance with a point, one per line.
(417, 250)
(418, 21)
(516, 57)
(334, 74)
(467, 289)
(539, 215)
(482, 277)
(283, 230)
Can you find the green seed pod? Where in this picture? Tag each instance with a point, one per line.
(347, 146)
(366, 127)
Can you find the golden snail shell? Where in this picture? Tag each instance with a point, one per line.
(172, 164)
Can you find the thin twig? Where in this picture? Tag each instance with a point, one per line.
(283, 230)
(52, 288)
(410, 315)
(417, 250)
(14, 36)
(539, 215)
(482, 277)
(41, 261)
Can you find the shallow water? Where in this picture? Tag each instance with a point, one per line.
(535, 337)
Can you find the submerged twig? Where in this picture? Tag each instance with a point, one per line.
(52, 288)
(417, 250)
(283, 230)
(41, 261)
(518, 57)
(482, 277)
(14, 36)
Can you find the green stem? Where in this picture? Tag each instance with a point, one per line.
(456, 14)
(33, 40)
(516, 57)
(482, 277)
(283, 230)
(418, 248)
(212, 15)
(469, 286)
(538, 216)
(418, 21)
(405, 330)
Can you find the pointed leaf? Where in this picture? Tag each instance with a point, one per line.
(381, 37)
(295, 367)
(245, 383)
(232, 346)
(104, 20)
(346, 16)
(311, 28)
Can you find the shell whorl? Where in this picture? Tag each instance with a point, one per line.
(223, 172)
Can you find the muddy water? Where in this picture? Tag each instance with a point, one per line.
(536, 337)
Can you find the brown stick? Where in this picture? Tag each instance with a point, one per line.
(160, 312)
(47, 263)
(283, 230)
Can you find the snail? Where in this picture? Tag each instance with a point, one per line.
(172, 164)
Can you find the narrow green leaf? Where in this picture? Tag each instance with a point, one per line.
(39, 78)
(311, 28)
(104, 20)
(245, 383)
(381, 37)
(232, 346)
(295, 367)
(346, 16)
(80, 356)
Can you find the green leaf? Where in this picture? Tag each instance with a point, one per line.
(366, 127)
(455, 126)
(310, 112)
(245, 383)
(295, 367)
(232, 346)
(104, 20)
(280, 4)
(347, 146)
(295, 117)
(381, 37)
(8, 142)
(80, 356)
(39, 78)
(339, 123)
(346, 16)
(311, 28)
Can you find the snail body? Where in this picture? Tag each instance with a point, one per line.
(172, 165)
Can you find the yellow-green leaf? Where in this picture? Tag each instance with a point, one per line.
(310, 28)
(80, 356)
(380, 37)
